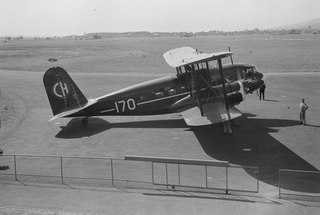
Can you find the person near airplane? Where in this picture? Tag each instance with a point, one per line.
(303, 108)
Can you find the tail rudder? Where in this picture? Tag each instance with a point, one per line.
(63, 93)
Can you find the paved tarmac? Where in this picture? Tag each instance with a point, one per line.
(268, 135)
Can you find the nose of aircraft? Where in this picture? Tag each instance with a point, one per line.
(254, 83)
(257, 75)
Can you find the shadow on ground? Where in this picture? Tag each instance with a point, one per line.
(75, 129)
(252, 145)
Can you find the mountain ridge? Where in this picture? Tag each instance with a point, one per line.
(309, 24)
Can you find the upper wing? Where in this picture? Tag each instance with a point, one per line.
(214, 112)
(187, 55)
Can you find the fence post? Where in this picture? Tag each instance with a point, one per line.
(279, 183)
(179, 174)
(111, 162)
(152, 174)
(258, 179)
(206, 168)
(227, 186)
(61, 168)
(15, 167)
(167, 174)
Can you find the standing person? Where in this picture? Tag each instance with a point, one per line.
(303, 108)
(261, 91)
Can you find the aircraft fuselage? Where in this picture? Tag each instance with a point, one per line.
(173, 93)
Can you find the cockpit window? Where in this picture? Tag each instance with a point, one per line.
(251, 72)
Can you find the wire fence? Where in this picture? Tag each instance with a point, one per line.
(219, 177)
(101, 171)
(107, 172)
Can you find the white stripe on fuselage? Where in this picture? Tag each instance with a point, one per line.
(150, 101)
(168, 97)
(155, 100)
(109, 110)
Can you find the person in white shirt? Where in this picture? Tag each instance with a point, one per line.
(303, 108)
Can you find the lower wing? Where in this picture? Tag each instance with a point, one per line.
(214, 112)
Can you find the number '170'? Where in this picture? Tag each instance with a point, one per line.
(122, 105)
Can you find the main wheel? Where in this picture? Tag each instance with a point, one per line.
(85, 120)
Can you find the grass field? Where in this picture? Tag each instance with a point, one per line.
(271, 53)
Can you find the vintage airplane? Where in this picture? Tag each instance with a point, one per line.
(203, 90)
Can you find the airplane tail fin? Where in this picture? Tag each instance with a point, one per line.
(63, 93)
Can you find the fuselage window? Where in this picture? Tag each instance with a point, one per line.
(249, 72)
(172, 92)
(159, 93)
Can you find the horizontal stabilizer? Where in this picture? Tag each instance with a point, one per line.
(73, 111)
(214, 112)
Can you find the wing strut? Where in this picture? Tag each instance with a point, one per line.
(227, 125)
(230, 56)
(196, 87)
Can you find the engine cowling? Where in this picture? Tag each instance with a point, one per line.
(234, 98)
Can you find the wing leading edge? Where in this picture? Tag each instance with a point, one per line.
(187, 55)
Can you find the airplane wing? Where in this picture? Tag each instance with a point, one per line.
(214, 112)
(187, 55)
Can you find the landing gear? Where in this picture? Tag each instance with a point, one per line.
(85, 120)
(227, 127)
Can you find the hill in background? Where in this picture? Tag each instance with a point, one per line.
(310, 24)
(307, 27)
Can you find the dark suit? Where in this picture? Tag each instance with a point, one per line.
(261, 91)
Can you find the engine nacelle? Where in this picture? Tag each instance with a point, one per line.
(234, 98)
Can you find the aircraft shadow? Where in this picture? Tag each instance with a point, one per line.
(75, 129)
(251, 145)
(267, 153)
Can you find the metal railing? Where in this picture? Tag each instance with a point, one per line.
(218, 178)
(198, 174)
(299, 183)
(205, 180)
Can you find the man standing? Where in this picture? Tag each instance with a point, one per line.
(261, 91)
(303, 108)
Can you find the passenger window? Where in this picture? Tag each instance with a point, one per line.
(182, 89)
(172, 92)
(159, 93)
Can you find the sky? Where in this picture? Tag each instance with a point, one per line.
(67, 17)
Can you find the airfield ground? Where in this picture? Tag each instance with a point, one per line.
(269, 128)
